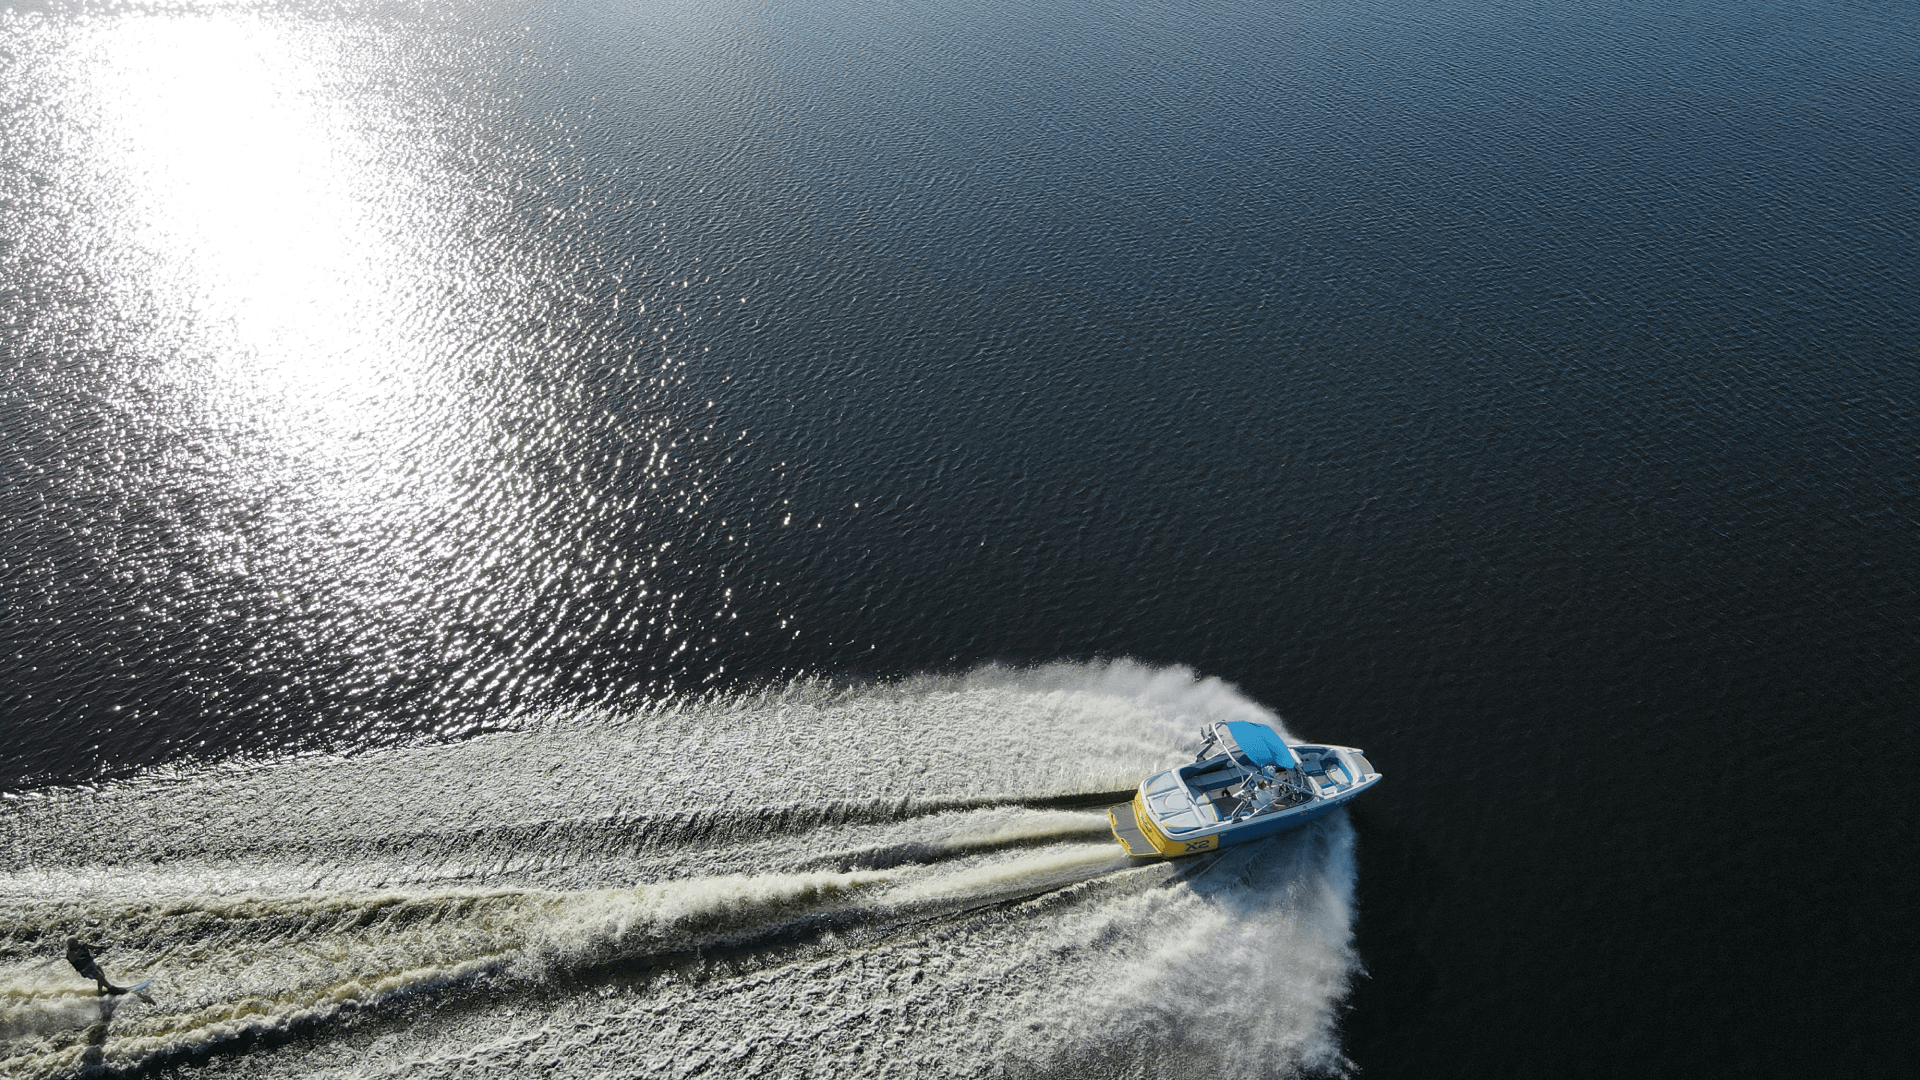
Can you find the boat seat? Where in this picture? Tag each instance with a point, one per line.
(1217, 779)
(1225, 807)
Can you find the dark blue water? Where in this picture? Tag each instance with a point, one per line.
(1523, 392)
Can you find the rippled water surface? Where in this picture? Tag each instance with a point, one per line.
(638, 538)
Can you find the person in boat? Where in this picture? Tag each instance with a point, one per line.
(80, 955)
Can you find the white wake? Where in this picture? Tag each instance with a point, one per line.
(806, 880)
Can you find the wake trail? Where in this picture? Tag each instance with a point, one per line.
(918, 870)
(255, 965)
(719, 827)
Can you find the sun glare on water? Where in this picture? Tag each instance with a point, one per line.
(284, 243)
(304, 294)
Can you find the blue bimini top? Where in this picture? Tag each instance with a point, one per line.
(1261, 744)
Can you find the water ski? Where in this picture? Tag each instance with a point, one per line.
(134, 989)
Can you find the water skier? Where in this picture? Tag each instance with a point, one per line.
(80, 955)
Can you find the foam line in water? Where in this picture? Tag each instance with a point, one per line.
(918, 866)
(261, 964)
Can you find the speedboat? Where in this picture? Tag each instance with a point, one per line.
(1247, 783)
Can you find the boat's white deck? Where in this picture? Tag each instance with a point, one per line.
(1197, 796)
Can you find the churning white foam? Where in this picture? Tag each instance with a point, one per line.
(804, 880)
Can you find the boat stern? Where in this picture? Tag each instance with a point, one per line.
(1133, 826)
(1127, 830)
